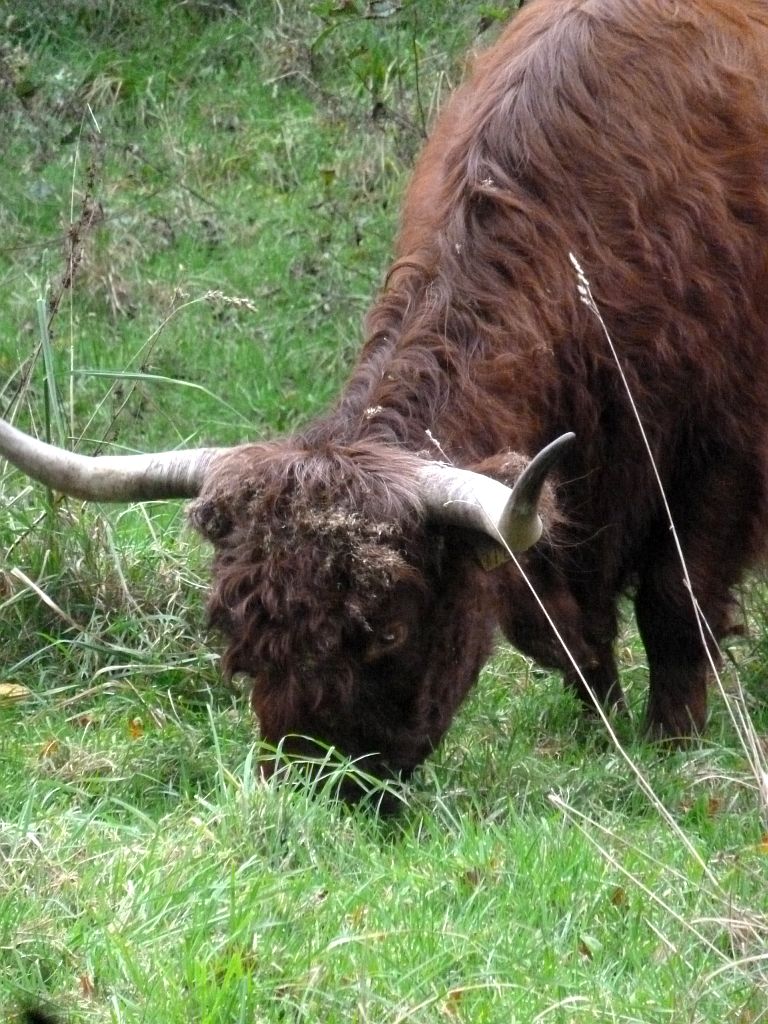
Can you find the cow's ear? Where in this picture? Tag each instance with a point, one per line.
(211, 517)
(507, 467)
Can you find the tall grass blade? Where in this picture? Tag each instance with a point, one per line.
(55, 429)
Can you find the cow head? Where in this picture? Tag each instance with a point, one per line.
(347, 578)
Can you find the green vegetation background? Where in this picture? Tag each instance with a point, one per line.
(222, 180)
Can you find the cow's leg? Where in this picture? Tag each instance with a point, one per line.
(719, 544)
(678, 660)
(596, 676)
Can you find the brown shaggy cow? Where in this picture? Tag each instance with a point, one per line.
(633, 133)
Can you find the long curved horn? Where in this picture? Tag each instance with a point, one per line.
(508, 516)
(178, 474)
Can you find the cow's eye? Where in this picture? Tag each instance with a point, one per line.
(386, 639)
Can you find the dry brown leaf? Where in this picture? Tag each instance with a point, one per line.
(86, 721)
(619, 896)
(11, 692)
(49, 750)
(452, 1003)
(473, 877)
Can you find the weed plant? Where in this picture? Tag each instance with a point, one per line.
(197, 203)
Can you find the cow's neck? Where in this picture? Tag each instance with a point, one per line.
(419, 382)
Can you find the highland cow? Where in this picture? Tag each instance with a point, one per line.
(361, 566)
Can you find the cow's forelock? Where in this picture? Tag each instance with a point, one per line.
(292, 595)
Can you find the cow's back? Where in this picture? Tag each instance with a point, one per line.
(634, 134)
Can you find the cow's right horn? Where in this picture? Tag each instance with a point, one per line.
(173, 474)
(507, 515)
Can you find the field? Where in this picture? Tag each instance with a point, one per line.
(198, 202)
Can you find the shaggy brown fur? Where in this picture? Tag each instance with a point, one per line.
(38, 1016)
(633, 133)
(349, 612)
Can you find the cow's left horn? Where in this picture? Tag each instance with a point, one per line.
(174, 474)
(507, 515)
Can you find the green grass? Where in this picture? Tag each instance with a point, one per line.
(257, 151)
